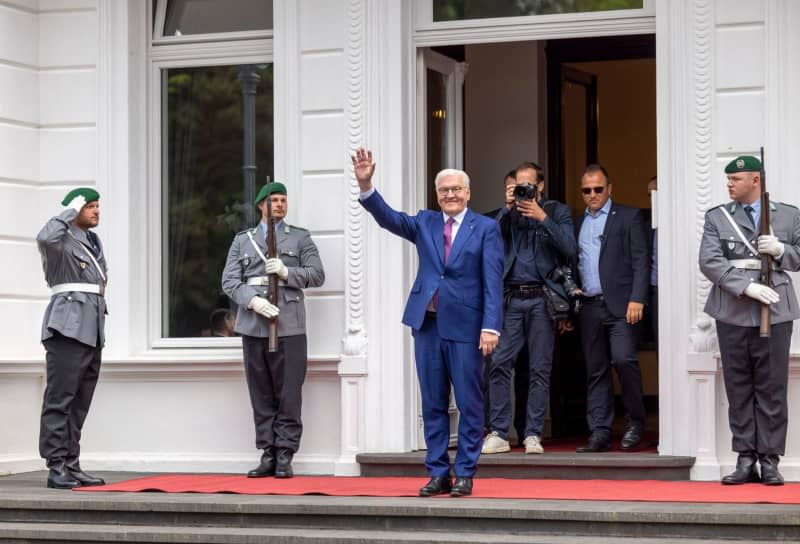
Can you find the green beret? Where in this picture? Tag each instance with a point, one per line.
(745, 163)
(276, 187)
(86, 192)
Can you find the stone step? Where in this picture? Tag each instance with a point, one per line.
(560, 465)
(410, 515)
(25, 505)
(57, 533)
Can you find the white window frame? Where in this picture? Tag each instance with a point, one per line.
(428, 32)
(164, 54)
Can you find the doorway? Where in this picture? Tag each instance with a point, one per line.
(562, 104)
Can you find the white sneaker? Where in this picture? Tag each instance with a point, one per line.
(533, 444)
(494, 443)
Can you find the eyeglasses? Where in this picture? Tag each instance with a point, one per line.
(444, 191)
(588, 190)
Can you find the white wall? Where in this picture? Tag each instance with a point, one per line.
(47, 144)
(504, 78)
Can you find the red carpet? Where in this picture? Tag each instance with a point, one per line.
(485, 488)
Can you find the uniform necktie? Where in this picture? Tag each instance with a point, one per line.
(750, 210)
(448, 236)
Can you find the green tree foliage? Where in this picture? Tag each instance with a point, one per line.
(204, 185)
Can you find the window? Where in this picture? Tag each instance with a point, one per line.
(454, 10)
(185, 17)
(207, 109)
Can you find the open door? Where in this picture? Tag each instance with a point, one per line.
(440, 144)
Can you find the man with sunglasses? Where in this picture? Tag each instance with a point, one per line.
(454, 310)
(538, 234)
(614, 270)
(755, 369)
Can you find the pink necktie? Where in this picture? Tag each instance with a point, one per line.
(448, 235)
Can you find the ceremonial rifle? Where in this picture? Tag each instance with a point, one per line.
(766, 261)
(272, 252)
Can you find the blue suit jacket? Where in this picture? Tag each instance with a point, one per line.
(470, 285)
(624, 258)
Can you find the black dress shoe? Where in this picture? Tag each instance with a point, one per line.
(283, 467)
(596, 443)
(632, 437)
(462, 487)
(769, 470)
(745, 472)
(266, 467)
(438, 485)
(61, 478)
(75, 470)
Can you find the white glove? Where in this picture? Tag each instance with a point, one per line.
(77, 203)
(770, 245)
(276, 266)
(762, 293)
(262, 306)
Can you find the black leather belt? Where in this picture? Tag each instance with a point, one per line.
(595, 298)
(527, 290)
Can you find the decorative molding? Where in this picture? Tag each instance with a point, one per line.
(355, 341)
(702, 40)
(540, 31)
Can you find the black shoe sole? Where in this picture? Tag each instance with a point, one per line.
(259, 475)
(594, 450)
(434, 493)
(51, 485)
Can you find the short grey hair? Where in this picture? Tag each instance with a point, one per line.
(447, 172)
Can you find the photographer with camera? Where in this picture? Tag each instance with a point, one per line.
(537, 234)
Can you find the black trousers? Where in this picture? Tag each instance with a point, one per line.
(609, 341)
(756, 373)
(275, 381)
(72, 372)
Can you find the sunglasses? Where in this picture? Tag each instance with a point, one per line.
(588, 190)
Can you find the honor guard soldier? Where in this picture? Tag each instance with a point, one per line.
(754, 368)
(72, 332)
(274, 379)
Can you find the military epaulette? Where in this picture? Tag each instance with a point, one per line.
(772, 205)
(245, 231)
(715, 207)
(301, 229)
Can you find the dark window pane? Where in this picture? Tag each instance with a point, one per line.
(186, 17)
(454, 10)
(203, 186)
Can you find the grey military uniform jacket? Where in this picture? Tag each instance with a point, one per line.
(300, 255)
(721, 244)
(64, 249)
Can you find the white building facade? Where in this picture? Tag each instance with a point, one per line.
(83, 102)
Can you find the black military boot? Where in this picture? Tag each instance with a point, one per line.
(60, 477)
(74, 468)
(745, 472)
(769, 470)
(284, 463)
(267, 465)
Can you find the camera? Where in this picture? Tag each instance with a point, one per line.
(526, 192)
(563, 275)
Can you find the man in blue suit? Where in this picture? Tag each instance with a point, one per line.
(454, 310)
